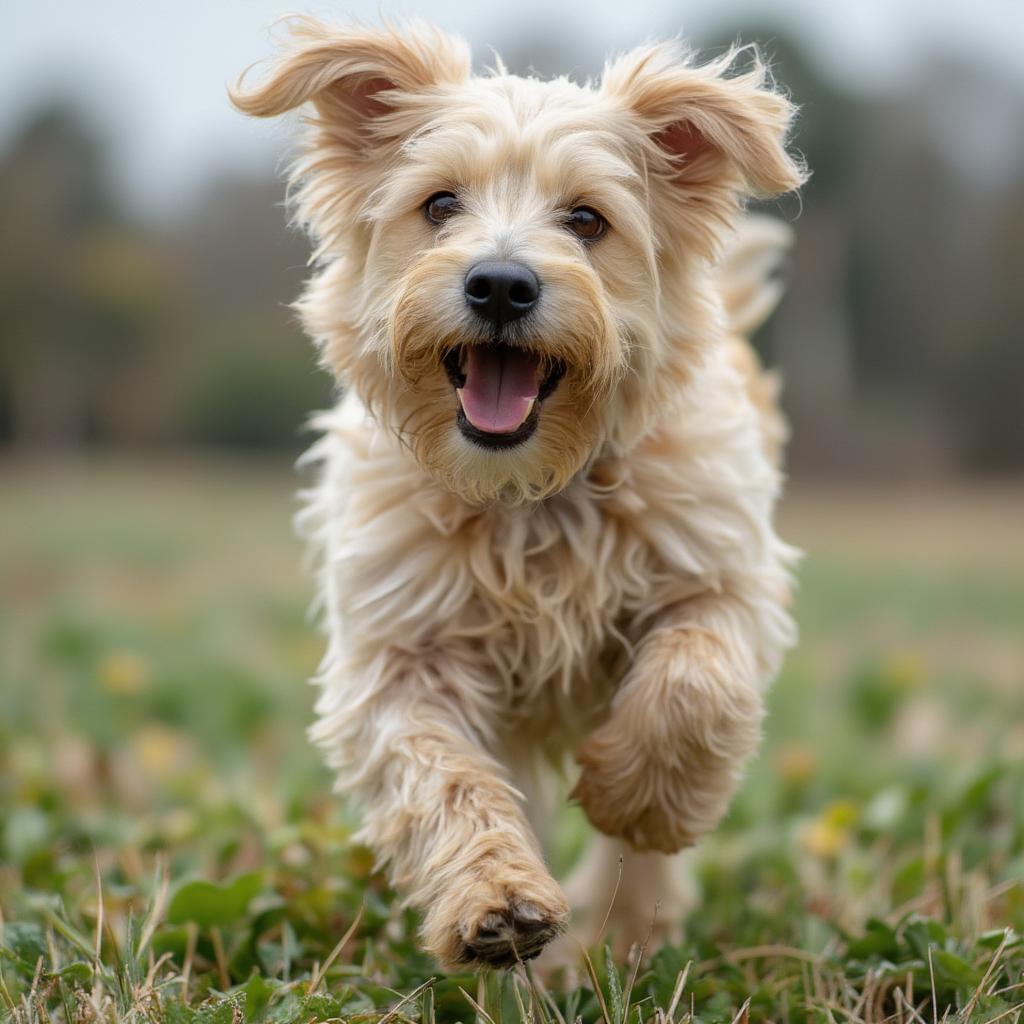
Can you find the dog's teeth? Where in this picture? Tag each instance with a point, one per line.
(529, 409)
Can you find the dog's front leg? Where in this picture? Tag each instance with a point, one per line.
(439, 810)
(661, 771)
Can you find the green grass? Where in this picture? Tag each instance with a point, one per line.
(170, 850)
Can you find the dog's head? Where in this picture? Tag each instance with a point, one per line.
(513, 274)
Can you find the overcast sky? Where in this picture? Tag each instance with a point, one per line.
(153, 73)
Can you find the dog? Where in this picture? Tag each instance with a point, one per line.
(544, 508)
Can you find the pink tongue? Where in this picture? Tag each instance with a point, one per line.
(500, 384)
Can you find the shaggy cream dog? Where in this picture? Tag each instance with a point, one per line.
(545, 502)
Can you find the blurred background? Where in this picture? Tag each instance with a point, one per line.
(145, 263)
(154, 386)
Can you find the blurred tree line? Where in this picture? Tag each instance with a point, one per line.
(118, 333)
(899, 340)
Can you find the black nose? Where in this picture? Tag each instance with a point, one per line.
(500, 291)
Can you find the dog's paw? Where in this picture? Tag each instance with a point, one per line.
(661, 771)
(501, 938)
(631, 796)
(496, 918)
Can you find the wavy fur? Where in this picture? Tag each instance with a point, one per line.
(613, 587)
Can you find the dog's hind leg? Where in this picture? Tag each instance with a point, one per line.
(628, 898)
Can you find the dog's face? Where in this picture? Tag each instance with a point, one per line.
(511, 270)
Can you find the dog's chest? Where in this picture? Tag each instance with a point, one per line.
(555, 589)
(531, 611)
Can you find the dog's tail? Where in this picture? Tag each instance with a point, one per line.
(752, 282)
(751, 272)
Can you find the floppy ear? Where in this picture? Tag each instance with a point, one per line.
(355, 76)
(699, 116)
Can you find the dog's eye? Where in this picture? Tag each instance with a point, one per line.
(586, 223)
(440, 206)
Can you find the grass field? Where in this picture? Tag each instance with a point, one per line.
(170, 851)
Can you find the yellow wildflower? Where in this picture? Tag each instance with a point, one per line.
(123, 673)
(832, 831)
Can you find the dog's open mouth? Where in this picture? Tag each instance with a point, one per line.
(500, 389)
